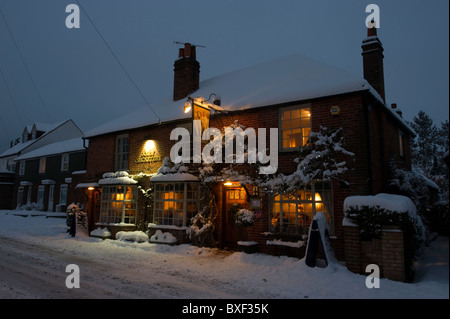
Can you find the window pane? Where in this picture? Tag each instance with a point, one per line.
(296, 123)
(295, 114)
(286, 115)
(306, 112)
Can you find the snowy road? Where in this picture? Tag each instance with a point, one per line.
(34, 271)
(35, 251)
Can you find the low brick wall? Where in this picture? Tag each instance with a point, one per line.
(386, 252)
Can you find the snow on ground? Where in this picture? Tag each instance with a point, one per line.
(35, 251)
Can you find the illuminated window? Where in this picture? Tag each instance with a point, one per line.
(118, 204)
(295, 126)
(122, 152)
(175, 203)
(293, 214)
(42, 163)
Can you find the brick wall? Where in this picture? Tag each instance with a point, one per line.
(387, 252)
(367, 169)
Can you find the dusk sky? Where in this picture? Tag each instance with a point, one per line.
(78, 78)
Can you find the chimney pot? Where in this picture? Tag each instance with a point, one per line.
(187, 50)
(187, 73)
(372, 31)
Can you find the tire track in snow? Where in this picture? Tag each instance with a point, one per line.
(35, 270)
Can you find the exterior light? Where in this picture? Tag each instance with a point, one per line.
(187, 106)
(91, 188)
(227, 184)
(149, 146)
(202, 102)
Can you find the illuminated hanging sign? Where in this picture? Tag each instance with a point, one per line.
(202, 113)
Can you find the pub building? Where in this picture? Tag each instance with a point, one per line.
(131, 184)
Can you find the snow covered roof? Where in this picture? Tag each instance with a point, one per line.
(72, 145)
(287, 79)
(116, 178)
(174, 177)
(16, 149)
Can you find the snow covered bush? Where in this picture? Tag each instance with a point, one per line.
(321, 159)
(431, 202)
(244, 218)
(76, 220)
(201, 231)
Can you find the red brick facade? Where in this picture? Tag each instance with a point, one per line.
(373, 132)
(369, 129)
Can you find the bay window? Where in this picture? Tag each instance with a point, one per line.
(118, 204)
(175, 203)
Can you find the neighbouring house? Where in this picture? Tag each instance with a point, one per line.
(41, 166)
(131, 186)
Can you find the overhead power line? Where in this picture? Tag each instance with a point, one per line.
(26, 68)
(117, 60)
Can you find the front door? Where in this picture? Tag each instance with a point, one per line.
(235, 198)
(51, 192)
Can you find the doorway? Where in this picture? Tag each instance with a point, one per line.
(51, 192)
(235, 198)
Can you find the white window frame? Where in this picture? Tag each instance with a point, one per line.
(65, 162)
(291, 124)
(115, 207)
(169, 210)
(22, 168)
(42, 165)
(122, 152)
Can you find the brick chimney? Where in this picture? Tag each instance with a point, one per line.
(372, 52)
(186, 73)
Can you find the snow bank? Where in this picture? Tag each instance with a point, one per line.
(101, 232)
(165, 238)
(135, 236)
(186, 271)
